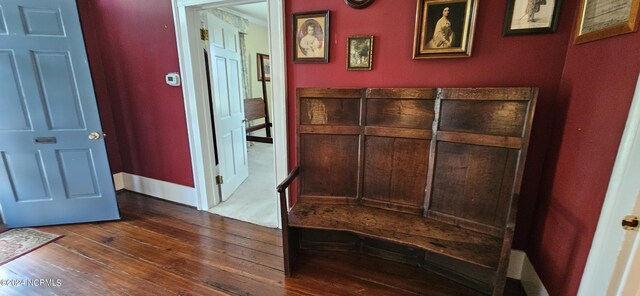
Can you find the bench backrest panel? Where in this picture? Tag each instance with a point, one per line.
(455, 155)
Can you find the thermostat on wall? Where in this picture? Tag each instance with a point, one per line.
(172, 79)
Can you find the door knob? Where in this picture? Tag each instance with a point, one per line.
(630, 223)
(94, 136)
(245, 120)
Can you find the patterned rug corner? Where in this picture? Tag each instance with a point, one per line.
(17, 242)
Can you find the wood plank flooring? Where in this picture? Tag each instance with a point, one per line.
(160, 248)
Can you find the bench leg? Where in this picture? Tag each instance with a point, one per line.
(289, 248)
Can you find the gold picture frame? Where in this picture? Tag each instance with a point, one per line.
(600, 19)
(444, 29)
(359, 52)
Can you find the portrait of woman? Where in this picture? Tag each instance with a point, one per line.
(444, 29)
(443, 35)
(445, 25)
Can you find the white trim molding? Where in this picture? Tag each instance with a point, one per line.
(187, 22)
(520, 268)
(118, 181)
(160, 189)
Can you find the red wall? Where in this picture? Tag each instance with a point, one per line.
(534, 60)
(137, 46)
(595, 95)
(85, 9)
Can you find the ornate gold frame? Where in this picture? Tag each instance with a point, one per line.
(421, 51)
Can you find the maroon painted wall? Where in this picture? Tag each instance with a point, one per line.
(137, 46)
(534, 60)
(596, 91)
(85, 9)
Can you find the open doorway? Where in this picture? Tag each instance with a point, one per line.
(188, 22)
(239, 85)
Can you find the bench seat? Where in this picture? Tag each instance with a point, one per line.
(401, 228)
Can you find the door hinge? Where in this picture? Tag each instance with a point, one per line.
(204, 34)
(219, 180)
(630, 223)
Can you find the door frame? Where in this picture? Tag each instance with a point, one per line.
(602, 275)
(194, 87)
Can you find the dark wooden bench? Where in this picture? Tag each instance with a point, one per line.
(255, 109)
(428, 177)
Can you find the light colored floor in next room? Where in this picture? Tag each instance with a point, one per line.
(255, 199)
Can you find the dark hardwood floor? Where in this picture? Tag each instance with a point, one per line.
(160, 248)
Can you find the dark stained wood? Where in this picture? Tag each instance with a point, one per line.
(260, 139)
(329, 166)
(353, 93)
(329, 130)
(400, 228)
(394, 132)
(502, 118)
(137, 257)
(330, 111)
(476, 139)
(473, 183)
(256, 108)
(401, 93)
(506, 93)
(426, 157)
(287, 247)
(396, 171)
(400, 113)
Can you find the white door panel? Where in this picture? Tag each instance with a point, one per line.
(228, 105)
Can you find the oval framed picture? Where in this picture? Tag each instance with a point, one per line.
(359, 4)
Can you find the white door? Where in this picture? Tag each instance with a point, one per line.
(613, 267)
(228, 115)
(53, 160)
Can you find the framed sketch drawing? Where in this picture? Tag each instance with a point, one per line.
(311, 37)
(359, 52)
(266, 68)
(531, 17)
(444, 28)
(605, 18)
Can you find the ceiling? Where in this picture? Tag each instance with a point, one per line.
(255, 12)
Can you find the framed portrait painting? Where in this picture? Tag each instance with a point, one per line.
(359, 52)
(444, 28)
(531, 17)
(311, 37)
(264, 66)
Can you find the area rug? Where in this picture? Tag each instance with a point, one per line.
(17, 242)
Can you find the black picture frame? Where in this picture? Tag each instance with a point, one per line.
(519, 21)
(311, 37)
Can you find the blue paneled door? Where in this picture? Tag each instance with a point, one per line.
(53, 161)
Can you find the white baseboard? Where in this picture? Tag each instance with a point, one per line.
(118, 181)
(520, 268)
(156, 188)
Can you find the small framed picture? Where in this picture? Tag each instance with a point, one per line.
(444, 28)
(600, 19)
(264, 66)
(359, 52)
(531, 17)
(311, 37)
